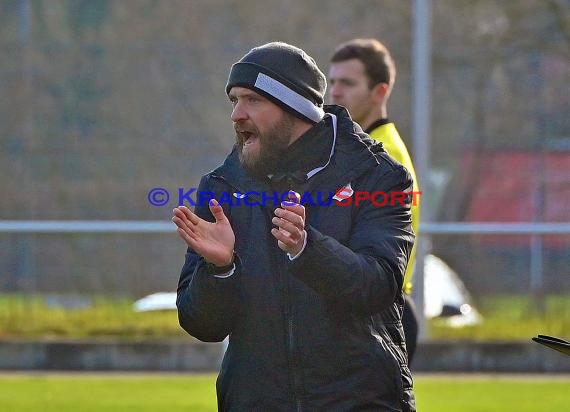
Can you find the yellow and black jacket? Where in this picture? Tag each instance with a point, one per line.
(385, 131)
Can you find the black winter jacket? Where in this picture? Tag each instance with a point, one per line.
(322, 332)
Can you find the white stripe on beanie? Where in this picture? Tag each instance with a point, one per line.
(289, 97)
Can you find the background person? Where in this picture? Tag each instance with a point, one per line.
(309, 297)
(361, 76)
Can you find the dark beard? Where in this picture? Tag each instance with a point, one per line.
(272, 145)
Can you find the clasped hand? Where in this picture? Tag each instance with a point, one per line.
(215, 241)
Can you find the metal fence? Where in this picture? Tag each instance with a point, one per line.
(92, 248)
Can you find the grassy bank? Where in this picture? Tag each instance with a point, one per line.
(34, 317)
(505, 317)
(511, 317)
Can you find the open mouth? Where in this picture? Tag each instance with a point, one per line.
(248, 137)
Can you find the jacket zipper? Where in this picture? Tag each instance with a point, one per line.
(297, 387)
(297, 390)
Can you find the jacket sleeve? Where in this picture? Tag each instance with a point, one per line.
(366, 274)
(207, 305)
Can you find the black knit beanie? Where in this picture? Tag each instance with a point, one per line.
(284, 74)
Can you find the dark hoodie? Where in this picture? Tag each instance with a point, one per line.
(321, 332)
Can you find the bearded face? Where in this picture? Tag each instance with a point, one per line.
(260, 149)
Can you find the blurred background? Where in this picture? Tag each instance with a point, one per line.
(102, 101)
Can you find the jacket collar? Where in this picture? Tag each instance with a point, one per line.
(377, 123)
(351, 154)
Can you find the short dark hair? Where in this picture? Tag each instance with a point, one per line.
(377, 61)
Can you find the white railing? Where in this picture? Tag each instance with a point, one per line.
(86, 226)
(160, 226)
(503, 228)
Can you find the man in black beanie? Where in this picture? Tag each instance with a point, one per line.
(295, 257)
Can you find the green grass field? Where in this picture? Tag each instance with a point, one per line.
(196, 393)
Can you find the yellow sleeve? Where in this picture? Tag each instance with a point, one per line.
(395, 146)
